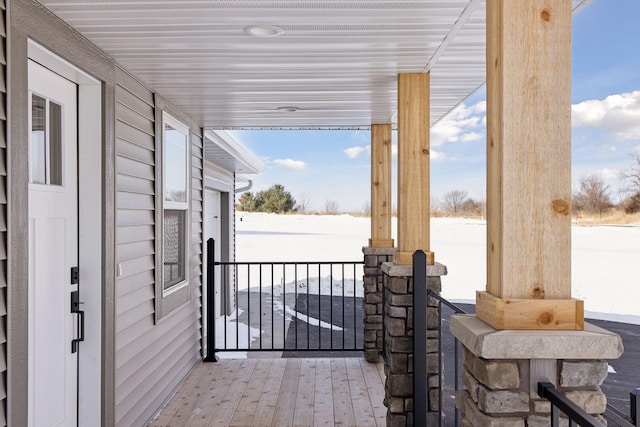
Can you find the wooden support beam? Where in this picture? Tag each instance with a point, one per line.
(381, 186)
(528, 161)
(414, 122)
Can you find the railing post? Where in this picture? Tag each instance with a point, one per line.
(420, 396)
(211, 319)
(635, 406)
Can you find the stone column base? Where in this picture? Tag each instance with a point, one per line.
(372, 301)
(398, 323)
(502, 370)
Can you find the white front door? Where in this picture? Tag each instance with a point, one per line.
(53, 248)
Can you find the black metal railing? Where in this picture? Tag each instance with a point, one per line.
(560, 403)
(421, 294)
(453, 309)
(285, 306)
(616, 417)
(577, 416)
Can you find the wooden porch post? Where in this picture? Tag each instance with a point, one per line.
(529, 167)
(381, 186)
(413, 167)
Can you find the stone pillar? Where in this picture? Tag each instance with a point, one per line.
(372, 301)
(398, 336)
(502, 370)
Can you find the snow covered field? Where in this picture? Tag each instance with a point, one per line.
(606, 259)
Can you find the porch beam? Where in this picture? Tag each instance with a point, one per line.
(381, 186)
(413, 167)
(529, 167)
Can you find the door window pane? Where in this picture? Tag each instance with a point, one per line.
(46, 141)
(55, 143)
(38, 140)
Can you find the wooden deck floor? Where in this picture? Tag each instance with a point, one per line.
(279, 392)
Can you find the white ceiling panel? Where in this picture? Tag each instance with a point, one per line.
(335, 61)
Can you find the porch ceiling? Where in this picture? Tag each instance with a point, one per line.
(336, 61)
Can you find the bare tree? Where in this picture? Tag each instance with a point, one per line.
(473, 207)
(593, 195)
(453, 201)
(632, 175)
(303, 203)
(366, 210)
(331, 207)
(631, 204)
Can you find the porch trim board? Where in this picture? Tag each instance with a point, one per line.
(514, 313)
(4, 290)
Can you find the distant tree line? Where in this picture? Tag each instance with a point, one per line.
(278, 200)
(592, 196)
(275, 199)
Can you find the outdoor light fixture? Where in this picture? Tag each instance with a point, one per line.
(263, 30)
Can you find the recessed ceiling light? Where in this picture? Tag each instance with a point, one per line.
(263, 30)
(288, 109)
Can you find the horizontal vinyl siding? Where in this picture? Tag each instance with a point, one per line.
(3, 216)
(197, 205)
(151, 357)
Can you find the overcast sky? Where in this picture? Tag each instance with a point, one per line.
(335, 165)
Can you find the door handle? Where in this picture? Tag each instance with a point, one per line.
(75, 342)
(75, 308)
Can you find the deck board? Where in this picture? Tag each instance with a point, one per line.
(342, 405)
(285, 408)
(372, 380)
(203, 405)
(249, 401)
(305, 398)
(233, 395)
(359, 394)
(266, 408)
(278, 392)
(323, 408)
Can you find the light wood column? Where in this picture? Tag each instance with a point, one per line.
(381, 186)
(529, 167)
(413, 167)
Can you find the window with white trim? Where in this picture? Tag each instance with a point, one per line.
(175, 183)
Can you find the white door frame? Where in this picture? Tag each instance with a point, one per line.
(208, 232)
(90, 228)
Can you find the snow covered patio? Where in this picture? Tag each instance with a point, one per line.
(279, 392)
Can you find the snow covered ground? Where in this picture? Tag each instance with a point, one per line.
(605, 258)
